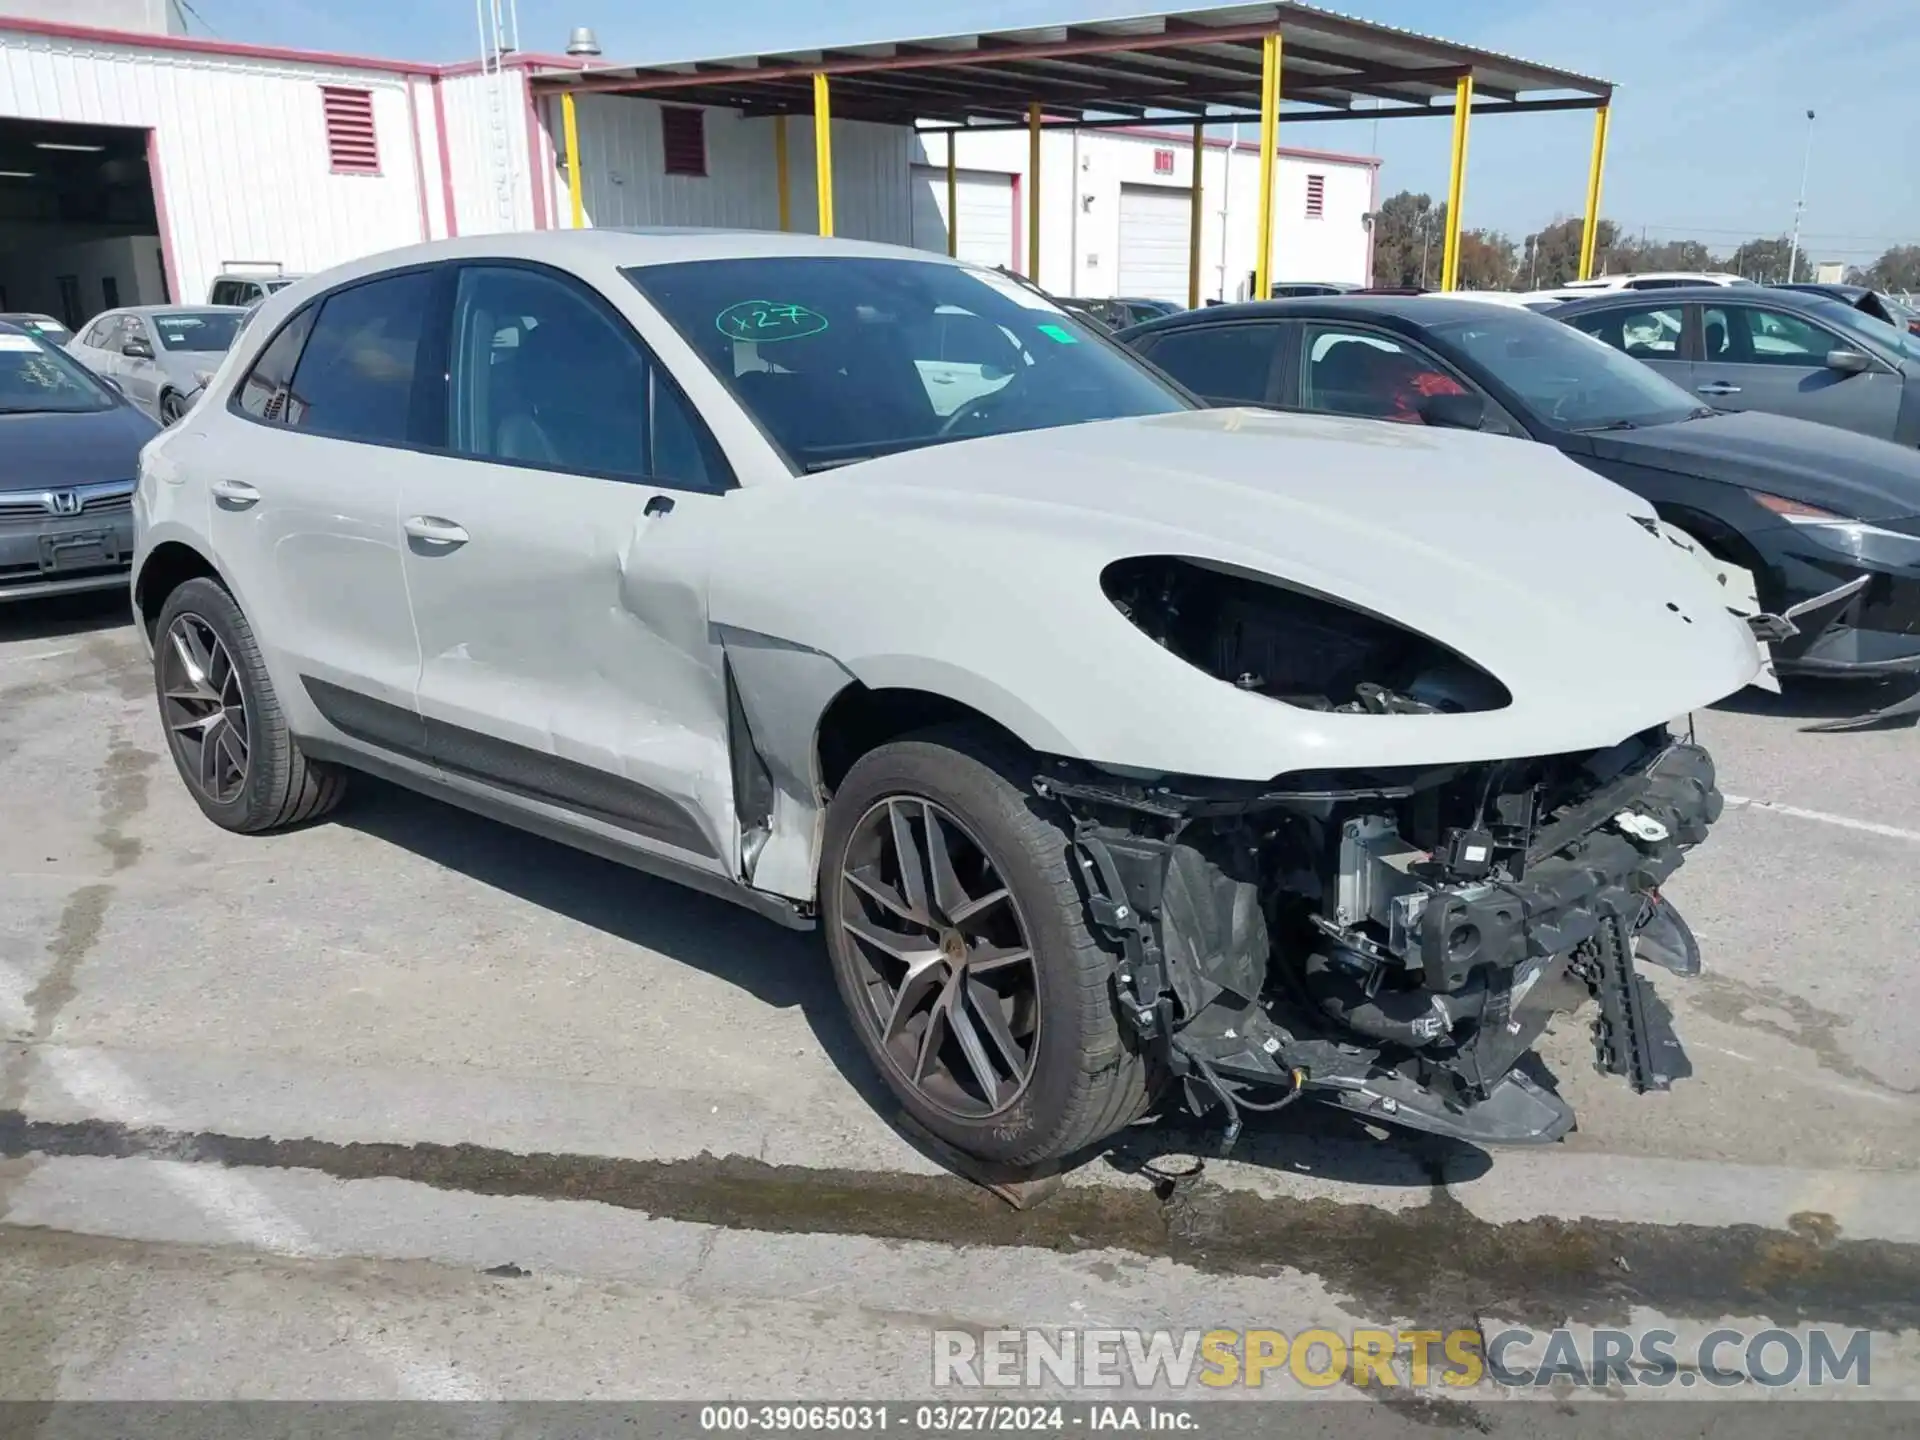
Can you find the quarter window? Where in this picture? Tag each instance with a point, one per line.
(265, 391)
(543, 376)
(355, 379)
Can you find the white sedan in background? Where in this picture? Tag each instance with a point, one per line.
(160, 356)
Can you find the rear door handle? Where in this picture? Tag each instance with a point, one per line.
(236, 494)
(1717, 387)
(432, 530)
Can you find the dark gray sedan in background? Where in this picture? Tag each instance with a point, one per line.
(69, 454)
(1762, 348)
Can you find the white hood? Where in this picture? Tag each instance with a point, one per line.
(1527, 564)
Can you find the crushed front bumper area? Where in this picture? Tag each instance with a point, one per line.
(1421, 977)
(1867, 628)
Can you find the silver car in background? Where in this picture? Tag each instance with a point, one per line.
(160, 356)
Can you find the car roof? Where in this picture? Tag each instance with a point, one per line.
(637, 247)
(1699, 294)
(1415, 310)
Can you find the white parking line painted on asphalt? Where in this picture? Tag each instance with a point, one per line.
(43, 655)
(236, 1205)
(1845, 822)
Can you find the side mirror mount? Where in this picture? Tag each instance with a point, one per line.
(1848, 362)
(1454, 412)
(137, 349)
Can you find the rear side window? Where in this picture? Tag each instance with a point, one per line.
(265, 392)
(1229, 363)
(355, 379)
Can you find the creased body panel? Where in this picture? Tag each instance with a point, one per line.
(974, 570)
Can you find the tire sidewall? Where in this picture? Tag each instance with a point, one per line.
(211, 603)
(966, 789)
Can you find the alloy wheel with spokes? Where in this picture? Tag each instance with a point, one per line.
(943, 957)
(205, 708)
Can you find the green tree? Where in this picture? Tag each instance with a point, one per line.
(1766, 260)
(1897, 269)
(1487, 260)
(1407, 236)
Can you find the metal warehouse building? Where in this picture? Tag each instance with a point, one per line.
(137, 164)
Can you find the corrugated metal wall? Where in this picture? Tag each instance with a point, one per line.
(487, 145)
(624, 182)
(241, 147)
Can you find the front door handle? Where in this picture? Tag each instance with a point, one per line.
(432, 530)
(234, 494)
(1717, 387)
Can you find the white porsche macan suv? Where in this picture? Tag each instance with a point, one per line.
(1114, 743)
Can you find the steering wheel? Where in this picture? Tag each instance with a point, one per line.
(969, 408)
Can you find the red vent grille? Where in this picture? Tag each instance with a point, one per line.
(1163, 162)
(684, 134)
(1316, 196)
(352, 147)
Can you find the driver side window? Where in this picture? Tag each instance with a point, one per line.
(1365, 373)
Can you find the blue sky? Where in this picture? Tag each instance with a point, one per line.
(1708, 125)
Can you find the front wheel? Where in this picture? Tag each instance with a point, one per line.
(228, 738)
(959, 943)
(172, 409)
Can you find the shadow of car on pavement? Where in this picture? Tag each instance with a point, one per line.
(788, 969)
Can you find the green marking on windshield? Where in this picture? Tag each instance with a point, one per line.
(764, 321)
(1059, 334)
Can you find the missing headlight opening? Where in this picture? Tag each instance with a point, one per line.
(1395, 942)
(1291, 645)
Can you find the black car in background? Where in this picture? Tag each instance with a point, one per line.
(1118, 312)
(1808, 509)
(1753, 347)
(69, 453)
(1863, 299)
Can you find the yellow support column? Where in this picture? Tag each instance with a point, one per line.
(1456, 184)
(823, 151)
(780, 178)
(1269, 144)
(1033, 192)
(1590, 231)
(1193, 217)
(953, 200)
(571, 128)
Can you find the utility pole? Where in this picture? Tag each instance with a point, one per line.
(1800, 205)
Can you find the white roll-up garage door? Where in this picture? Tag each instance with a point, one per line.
(986, 213)
(1153, 241)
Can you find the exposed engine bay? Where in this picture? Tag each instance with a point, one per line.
(1393, 942)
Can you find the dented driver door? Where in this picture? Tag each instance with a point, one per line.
(556, 567)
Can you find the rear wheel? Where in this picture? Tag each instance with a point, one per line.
(224, 727)
(172, 408)
(959, 943)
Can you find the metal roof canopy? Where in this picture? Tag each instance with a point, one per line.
(1203, 65)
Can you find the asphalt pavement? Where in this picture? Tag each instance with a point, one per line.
(411, 1105)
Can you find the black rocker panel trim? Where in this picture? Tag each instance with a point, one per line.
(515, 768)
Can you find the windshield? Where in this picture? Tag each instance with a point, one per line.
(1570, 380)
(1843, 316)
(840, 359)
(209, 330)
(37, 379)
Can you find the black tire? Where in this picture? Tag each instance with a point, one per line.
(1085, 1082)
(281, 787)
(172, 408)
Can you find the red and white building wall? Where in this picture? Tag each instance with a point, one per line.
(261, 155)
